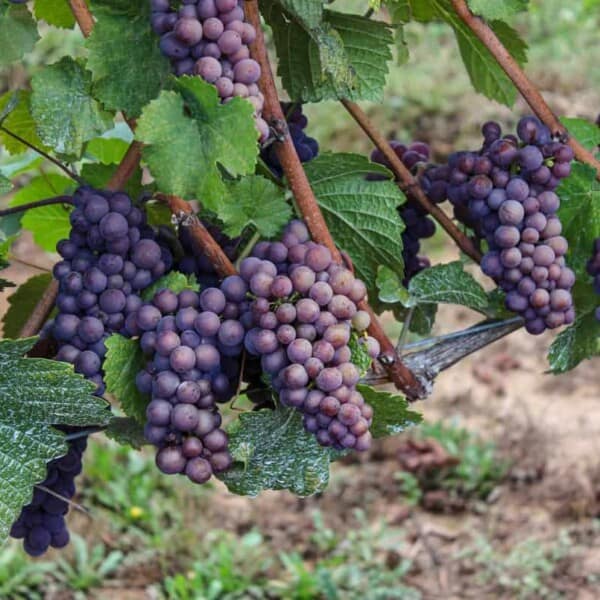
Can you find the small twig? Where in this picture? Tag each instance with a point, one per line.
(408, 183)
(306, 200)
(247, 248)
(16, 259)
(64, 498)
(405, 329)
(185, 216)
(39, 151)
(37, 204)
(83, 16)
(528, 90)
(127, 167)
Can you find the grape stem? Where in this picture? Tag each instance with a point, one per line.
(39, 151)
(306, 200)
(408, 183)
(528, 90)
(186, 217)
(126, 168)
(38, 204)
(83, 16)
(41, 311)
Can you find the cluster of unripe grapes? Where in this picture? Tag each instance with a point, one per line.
(418, 224)
(210, 38)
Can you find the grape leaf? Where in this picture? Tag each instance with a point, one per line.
(49, 224)
(579, 213)
(22, 302)
(64, 108)
(20, 122)
(174, 281)
(359, 355)
(448, 283)
(35, 394)
(54, 12)
(5, 185)
(124, 360)
(390, 412)
(361, 215)
(578, 342)
(497, 9)
(125, 44)
(272, 451)
(108, 151)
(191, 122)
(18, 33)
(391, 290)
(254, 200)
(126, 431)
(342, 56)
(586, 132)
(486, 75)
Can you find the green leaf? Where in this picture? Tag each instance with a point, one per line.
(191, 122)
(18, 33)
(448, 283)
(390, 412)
(340, 56)
(359, 355)
(272, 451)
(98, 176)
(497, 9)
(20, 122)
(108, 151)
(361, 215)
(5, 185)
(54, 12)
(49, 224)
(34, 395)
(64, 108)
(256, 201)
(391, 290)
(174, 281)
(126, 45)
(578, 342)
(124, 360)
(22, 303)
(126, 431)
(586, 132)
(486, 75)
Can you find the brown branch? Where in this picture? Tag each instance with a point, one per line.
(126, 168)
(306, 200)
(41, 311)
(37, 204)
(187, 218)
(83, 16)
(408, 183)
(528, 90)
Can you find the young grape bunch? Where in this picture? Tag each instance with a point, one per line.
(418, 224)
(210, 38)
(193, 342)
(593, 268)
(505, 193)
(108, 259)
(300, 322)
(306, 147)
(41, 523)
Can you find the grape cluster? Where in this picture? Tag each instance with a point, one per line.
(210, 38)
(41, 523)
(193, 342)
(505, 193)
(307, 148)
(300, 322)
(418, 225)
(108, 259)
(593, 268)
